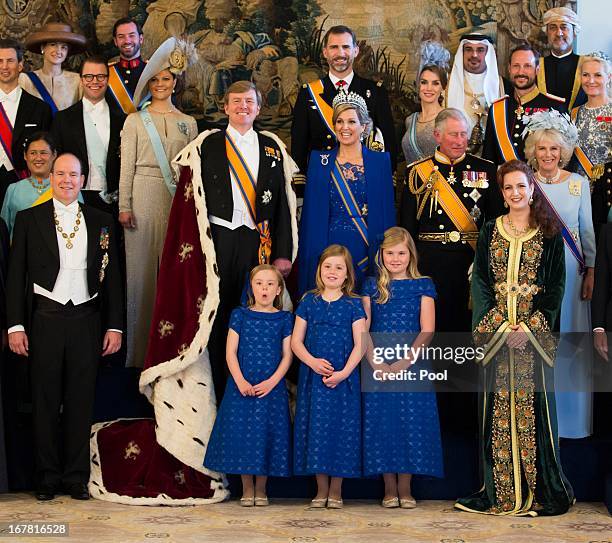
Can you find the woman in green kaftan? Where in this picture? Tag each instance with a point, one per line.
(517, 288)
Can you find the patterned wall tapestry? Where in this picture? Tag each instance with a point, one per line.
(277, 43)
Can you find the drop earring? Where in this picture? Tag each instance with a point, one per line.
(505, 204)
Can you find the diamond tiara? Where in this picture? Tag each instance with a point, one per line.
(351, 98)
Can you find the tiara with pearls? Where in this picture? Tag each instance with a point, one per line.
(351, 98)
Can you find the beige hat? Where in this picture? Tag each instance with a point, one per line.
(561, 15)
(174, 55)
(54, 32)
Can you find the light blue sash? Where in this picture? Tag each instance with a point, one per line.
(412, 137)
(158, 149)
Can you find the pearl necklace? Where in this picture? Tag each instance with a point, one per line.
(549, 180)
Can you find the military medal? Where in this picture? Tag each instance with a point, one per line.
(104, 238)
(475, 212)
(324, 160)
(574, 188)
(451, 176)
(364, 210)
(473, 179)
(105, 260)
(520, 110)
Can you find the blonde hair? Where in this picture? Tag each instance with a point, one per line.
(348, 287)
(363, 116)
(394, 236)
(605, 68)
(240, 87)
(278, 301)
(535, 137)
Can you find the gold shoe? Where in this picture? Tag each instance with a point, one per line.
(391, 503)
(247, 502)
(334, 504)
(261, 501)
(407, 503)
(318, 503)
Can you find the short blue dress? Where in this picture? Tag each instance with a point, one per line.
(251, 435)
(401, 430)
(342, 230)
(327, 433)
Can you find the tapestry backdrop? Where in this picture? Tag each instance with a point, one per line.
(277, 43)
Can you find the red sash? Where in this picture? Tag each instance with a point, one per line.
(6, 139)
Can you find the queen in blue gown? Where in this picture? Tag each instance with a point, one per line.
(252, 435)
(348, 197)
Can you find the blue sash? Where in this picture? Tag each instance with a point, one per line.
(158, 149)
(565, 232)
(42, 90)
(412, 137)
(350, 204)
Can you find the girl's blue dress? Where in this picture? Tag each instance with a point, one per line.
(401, 430)
(253, 435)
(328, 420)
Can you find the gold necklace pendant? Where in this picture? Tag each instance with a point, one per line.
(68, 237)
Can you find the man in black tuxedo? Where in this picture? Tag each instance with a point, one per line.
(309, 130)
(91, 130)
(21, 114)
(64, 259)
(236, 233)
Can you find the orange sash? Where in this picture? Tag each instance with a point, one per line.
(120, 91)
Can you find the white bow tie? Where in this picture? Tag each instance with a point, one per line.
(70, 210)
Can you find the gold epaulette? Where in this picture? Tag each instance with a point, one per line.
(419, 160)
(500, 98)
(553, 96)
(480, 158)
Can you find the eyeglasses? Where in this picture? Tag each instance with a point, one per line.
(90, 77)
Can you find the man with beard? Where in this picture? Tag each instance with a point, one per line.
(474, 83)
(507, 116)
(124, 73)
(312, 127)
(559, 71)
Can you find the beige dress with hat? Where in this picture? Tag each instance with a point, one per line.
(143, 191)
(65, 88)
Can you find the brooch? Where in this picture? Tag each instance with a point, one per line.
(104, 238)
(266, 197)
(475, 180)
(574, 188)
(272, 152)
(183, 128)
(105, 260)
(324, 160)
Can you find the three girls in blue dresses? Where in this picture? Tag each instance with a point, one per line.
(339, 432)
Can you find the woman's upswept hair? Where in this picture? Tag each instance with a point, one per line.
(541, 215)
(394, 236)
(533, 140)
(348, 287)
(278, 301)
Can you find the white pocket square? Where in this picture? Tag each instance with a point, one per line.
(29, 124)
(273, 164)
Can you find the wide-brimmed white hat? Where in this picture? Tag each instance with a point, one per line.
(174, 54)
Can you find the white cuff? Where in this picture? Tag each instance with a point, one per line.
(16, 328)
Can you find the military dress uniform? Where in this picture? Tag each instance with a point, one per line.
(445, 251)
(505, 124)
(309, 131)
(560, 76)
(129, 72)
(601, 198)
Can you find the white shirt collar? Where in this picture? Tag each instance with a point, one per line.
(348, 79)
(250, 137)
(90, 106)
(562, 56)
(12, 96)
(72, 208)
